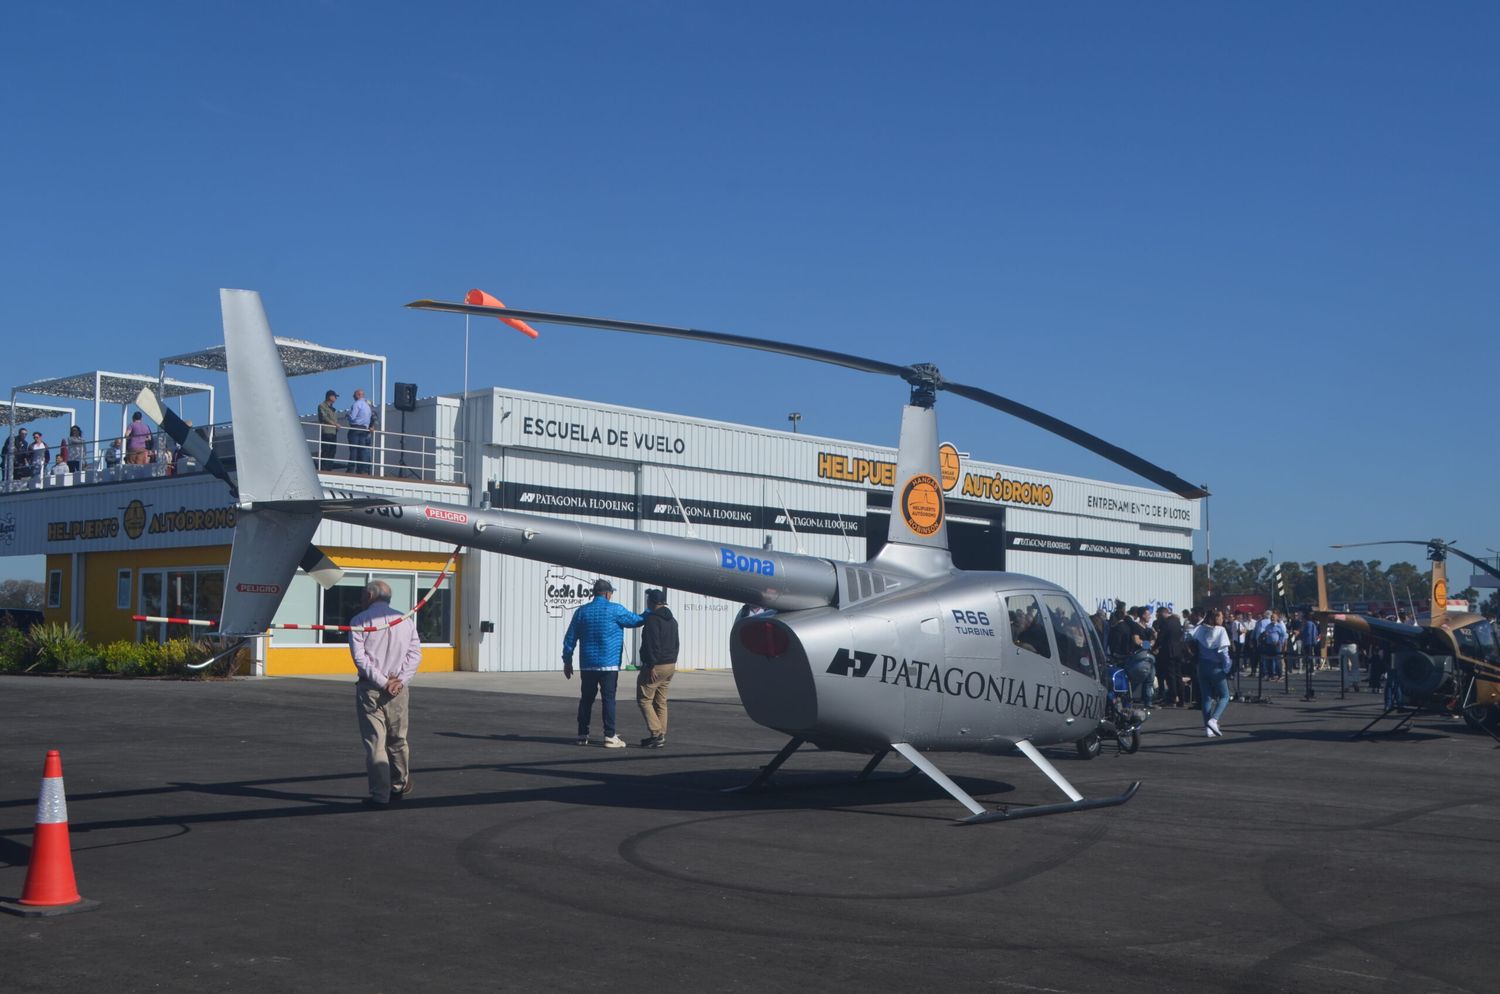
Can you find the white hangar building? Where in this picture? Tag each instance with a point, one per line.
(649, 471)
(154, 539)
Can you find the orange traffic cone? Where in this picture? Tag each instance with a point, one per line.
(50, 887)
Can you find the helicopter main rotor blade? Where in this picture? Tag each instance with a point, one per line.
(911, 374)
(1492, 571)
(195, 445)
(1078, 436)
(667, 331)
(1431, 544)
(1393, 541)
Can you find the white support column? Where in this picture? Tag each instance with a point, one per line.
(94, 456)
(383, 413)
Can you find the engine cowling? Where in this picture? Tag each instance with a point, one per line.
(1425, 677)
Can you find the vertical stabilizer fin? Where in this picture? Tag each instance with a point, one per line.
(917, 513)
(1438, 599)
(272, 461)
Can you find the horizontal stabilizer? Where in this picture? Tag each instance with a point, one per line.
(316, 564)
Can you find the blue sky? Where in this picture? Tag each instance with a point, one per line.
(1258, 244)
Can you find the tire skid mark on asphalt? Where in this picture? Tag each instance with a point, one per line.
(1379, 940)
(476, 853)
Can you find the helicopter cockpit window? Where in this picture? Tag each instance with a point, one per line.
(1484, 632)
(1477, 641)
(1028, 629)
(1071, 629)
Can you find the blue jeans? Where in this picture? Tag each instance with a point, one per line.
(603, 683)
(1270, 663)
(1214, 684)
(1142, 678)
(359, 450)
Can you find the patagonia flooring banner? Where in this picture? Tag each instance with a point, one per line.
(1096, 548)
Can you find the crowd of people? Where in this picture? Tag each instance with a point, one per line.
(27, 456)
(1188, 660)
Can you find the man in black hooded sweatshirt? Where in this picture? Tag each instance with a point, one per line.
(658, 664)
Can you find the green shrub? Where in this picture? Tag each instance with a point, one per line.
(15, 650)
(122, 658)
(61, 648)
(58, 646)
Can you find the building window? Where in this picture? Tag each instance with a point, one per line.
(308, 604)
(54, 588)
(179, 593)
(122, 590)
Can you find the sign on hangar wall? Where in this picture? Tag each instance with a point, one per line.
(532, 421)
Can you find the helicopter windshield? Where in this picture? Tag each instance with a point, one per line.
(1478, 640)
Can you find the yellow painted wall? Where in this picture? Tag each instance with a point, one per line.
(63, 613)
(103, 622)
(334, 659)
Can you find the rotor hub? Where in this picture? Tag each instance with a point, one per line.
(925, 381)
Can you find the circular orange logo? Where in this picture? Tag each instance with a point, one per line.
(922, 505)
(134, 519)
(1440, 595)
(948, 460)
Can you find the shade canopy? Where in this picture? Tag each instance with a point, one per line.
(299, 358)
(20, 414)
(110, 388)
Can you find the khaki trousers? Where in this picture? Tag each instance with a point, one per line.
(382, 725)
(652, 696)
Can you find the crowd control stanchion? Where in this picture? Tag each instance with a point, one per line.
(1307, 670)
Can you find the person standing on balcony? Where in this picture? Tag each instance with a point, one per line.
(360, 415)
(20, 453)
(328, 430)
(137, 441)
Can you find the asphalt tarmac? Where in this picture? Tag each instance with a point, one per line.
(220, 826)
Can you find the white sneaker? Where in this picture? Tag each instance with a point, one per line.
(1213, 727)
(614, 742)
(1208, 733)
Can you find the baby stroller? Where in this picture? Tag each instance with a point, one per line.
(1121, 721)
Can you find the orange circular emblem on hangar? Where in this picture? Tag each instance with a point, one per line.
(134, 519)
(948, 460)
(922, 505)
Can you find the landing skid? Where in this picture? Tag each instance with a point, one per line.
(763, 778)
(977, 812)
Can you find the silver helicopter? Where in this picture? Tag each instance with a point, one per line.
(902, 653)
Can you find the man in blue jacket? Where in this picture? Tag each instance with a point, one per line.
(597, 631)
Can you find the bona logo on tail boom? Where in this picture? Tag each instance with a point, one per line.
(746, 564)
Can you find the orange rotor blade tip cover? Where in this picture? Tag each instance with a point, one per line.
(485, 300)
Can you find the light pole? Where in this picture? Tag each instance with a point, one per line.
(794, 417)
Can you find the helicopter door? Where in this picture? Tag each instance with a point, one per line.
(1079, 666)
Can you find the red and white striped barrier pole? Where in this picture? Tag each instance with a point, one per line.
(448, 568)
(50, 887)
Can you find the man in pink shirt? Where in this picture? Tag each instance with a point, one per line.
(386, 659)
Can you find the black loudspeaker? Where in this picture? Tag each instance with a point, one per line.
(406, 397)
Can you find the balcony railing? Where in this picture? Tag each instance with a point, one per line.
(390, 455)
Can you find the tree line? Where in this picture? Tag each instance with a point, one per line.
(21, 594)
(1350, 582)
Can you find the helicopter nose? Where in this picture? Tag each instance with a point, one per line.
(772, 673)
